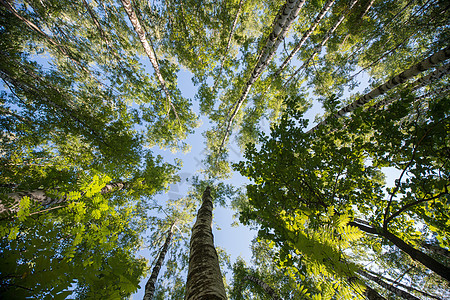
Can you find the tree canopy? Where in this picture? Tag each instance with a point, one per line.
(340, 109)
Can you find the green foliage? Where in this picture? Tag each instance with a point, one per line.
(79, 107)
(308, 187)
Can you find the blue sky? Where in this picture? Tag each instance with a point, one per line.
(235, 240)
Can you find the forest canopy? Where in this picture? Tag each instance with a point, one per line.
(339, 109)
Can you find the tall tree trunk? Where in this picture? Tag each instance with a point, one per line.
(204, 280)
(40, 196)
(415, 254)
(305, 36)
(148, 48)
(388, 286)
(150, 285)
(280, 27)
(270, 291)
(422, 66)
(419, 83)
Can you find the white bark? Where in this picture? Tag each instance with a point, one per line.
(420, 67)
(305, 36)
(280, 27)
(148, 48)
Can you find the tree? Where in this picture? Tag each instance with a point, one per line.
(79, 107)
(204, 280)
(333, 174)
(44, 253)
(150, 285)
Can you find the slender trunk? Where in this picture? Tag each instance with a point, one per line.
(318, 48)
(415, 254)
(419, 83)
(148, 48)
(305, 36)
(151, 283)
(406, 287)
(388, 286)
(204, 280)
(422, 66)
(270, 291)
(40, 196)
(51, 41)
(280, 27)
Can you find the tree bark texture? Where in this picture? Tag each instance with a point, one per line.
(415, 254)
(419, 83)
(388, 286)
(422, 66)
(40, 196)
(151, 283)
(148, 47)
(280, 27)
(270, 291)
(204, 280)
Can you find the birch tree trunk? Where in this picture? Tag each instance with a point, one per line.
(305, 36)
(422, 66)
(150, 285)
(270, 291)
(388, 286)
(280, 27)
(204, 280)
(148, 48)
(415, 254)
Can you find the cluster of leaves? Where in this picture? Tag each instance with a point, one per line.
(309, 186)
